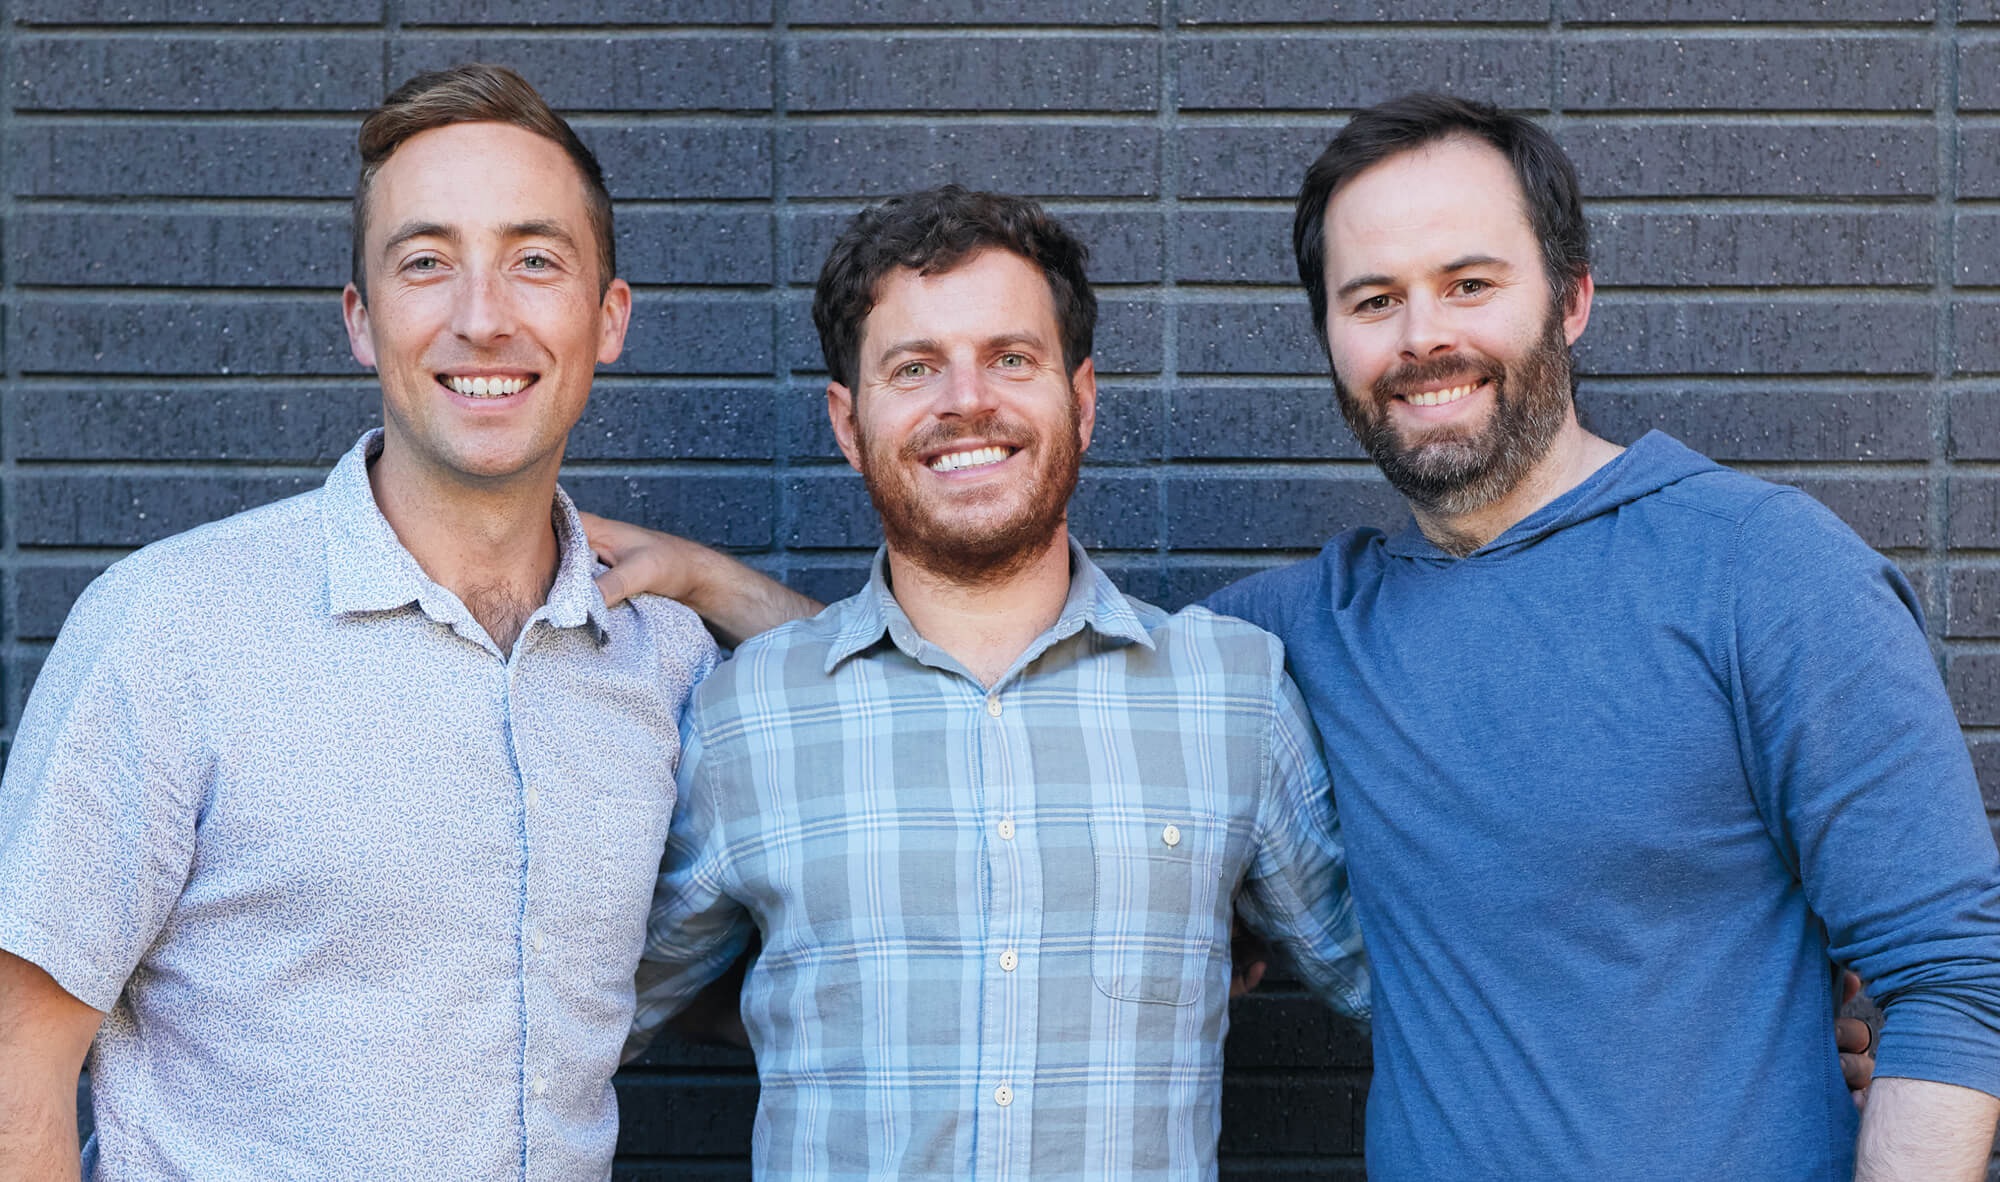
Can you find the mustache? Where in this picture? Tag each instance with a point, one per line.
(989, 427)
(1455, 370)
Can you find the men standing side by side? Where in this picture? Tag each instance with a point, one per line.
(991, 817)
(334, 823)
(1620, 735)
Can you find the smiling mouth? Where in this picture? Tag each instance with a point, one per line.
(1443, 397)
(485, 387)
(977, 457)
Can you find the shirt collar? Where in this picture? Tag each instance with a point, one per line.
(1093, 600)
(369, 570)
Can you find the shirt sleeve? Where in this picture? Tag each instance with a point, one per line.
(101, 796)
(696, 930)
(1296, 893)
(1863, 778)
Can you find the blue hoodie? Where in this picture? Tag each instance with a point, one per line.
(1615, 787)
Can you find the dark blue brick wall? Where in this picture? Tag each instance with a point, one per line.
(1796, 205)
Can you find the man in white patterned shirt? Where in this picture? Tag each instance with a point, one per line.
(991, 816)
(300, 826)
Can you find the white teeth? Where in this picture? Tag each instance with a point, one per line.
(486, 387)
(1441, 397)
(968, 459)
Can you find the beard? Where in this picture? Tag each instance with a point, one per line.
(1449, 471)
(950, 537)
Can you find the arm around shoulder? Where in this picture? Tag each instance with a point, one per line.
(44, 1035)
(734, 601)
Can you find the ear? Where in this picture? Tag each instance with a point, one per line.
(1578, 313)
(615, 316)
(355, 314)
(1084, 383)
(840, 412)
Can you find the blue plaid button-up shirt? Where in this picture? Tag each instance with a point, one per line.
(996, 920)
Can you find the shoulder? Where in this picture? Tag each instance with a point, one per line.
(1271, 598)
(1198, 642)
(673, 632)
(787, 657)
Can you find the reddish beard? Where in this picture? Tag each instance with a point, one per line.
(985, 549)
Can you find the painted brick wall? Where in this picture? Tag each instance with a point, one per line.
(1796, 204)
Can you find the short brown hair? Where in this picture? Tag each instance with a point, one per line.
(475, 94)
(931, 232)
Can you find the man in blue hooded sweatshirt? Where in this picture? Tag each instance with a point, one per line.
(1617, 735)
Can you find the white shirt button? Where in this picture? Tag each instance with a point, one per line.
(1003, 1095)
(539, 1086)
(1006, 829)
(1172, 836)
(536, 938)
(993, 706)
(1008, 960)
(533, 796)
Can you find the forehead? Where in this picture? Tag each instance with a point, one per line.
(992, 293)
(1419, 209)
(477, 175)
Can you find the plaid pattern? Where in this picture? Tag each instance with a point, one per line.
(996, 922)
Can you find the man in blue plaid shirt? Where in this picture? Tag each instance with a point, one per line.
(991, 816)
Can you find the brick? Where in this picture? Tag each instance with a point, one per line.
(683, 335)
(1291, 1115)
(112, 159)
(1275, 512)
(1986, 765)
(1975, 512)
(831, 581)
(685, 246)
(683, 1170)
(701, 1117)
(21, 672)
(1975, 336)
(1129, 425)
(1892, 513)
(205, 12)
(1129, 336)
(1039, 159)
(1259, 337)
(1979, 10)
(974, 12)
(1314, 12)
(1260, 161)
(1974, 608)
(721, 510)
(1756, 422)
(799, 341)
(1979, 161)
(1115, 510)
(186, 335)
(132, 510)
(1125, 244)
(1975, 426)
(1260, 423)
(118, 248)
(955, 72)
(1234, 246)
(1976, 239)
(43, 596)
(1761, 159)
(709, 422)
(1317, 72)
(1977, 88)
(1821, 247)
(1652, 11)
(1722, 335)
(830, 509)
(710, 72)
(583, 12)
(1973, 680)
(155, 72)
(1190, 582)
(1754, 73)
(1291, 1031)
(809, 434)
(288, 424)
(685, 161)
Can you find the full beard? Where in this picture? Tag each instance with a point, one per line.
(1447, 472)
(988, 551)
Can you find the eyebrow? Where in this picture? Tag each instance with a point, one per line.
(928, 345)
(1463, 262)
(540, 228)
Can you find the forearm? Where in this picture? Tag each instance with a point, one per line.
(44, 1035)
(1916, 1130)
(737, 602)
(37, 1129)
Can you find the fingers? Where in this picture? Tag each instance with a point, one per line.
(614, 585)
(1853, 1036)
(1859, 1072)
(1245, 978)
(1850, 986)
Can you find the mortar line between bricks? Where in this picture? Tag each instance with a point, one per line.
(1937, 594)
(10, 641)
(786, 422)
(1168, 199)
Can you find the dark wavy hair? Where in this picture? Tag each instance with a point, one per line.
(931, 232)
(475, 94)
(1548, 182)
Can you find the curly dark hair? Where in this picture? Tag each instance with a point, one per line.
(931, 232)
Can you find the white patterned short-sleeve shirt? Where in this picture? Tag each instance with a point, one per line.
(361, 894)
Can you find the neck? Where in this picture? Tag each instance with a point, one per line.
(985, 626)
(1571, 458)
(493, 545)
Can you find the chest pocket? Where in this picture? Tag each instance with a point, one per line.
(1154, 927)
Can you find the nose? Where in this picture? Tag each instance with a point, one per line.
(968, 389)
(1429, 329)
(482, 311)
